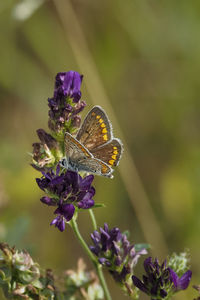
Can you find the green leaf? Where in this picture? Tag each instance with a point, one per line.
(97, 205)
(139, 247)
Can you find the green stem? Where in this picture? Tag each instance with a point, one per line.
(74, 226)
(102, 281)
(98, 267)
(94, 223)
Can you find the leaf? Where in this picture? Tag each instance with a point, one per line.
(97, 205)
(139, 247)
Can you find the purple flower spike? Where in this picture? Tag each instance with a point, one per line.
(66, 104)
(160, 280)
(68, 190)
(115, 252)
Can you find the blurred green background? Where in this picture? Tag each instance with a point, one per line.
(142, 59)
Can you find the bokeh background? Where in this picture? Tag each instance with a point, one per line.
(141, 62)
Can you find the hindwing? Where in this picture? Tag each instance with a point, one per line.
(110, 153)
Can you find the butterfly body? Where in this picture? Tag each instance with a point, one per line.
(94, 149)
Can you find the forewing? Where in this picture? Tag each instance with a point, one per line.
(74, 149)
(110, 153)
(96, 129)
(96, 166)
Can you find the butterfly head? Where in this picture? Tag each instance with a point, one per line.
(63, 163)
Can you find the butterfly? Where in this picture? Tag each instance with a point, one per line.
(94, 149)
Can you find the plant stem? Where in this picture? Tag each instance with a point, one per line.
(74, 226)
(94, 223)
(98, 267)
(102, 281)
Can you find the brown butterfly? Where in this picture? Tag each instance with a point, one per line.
(94, 149)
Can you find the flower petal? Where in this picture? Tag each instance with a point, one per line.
(86, 182)
(139, 284)
(48, 201)
(68, 211)
(54, 221)
(61, 225)
(68, 83)
(148, 265)
(71, 85)
(184, 281)
(86, 205)
(163, 293)
(174, 278)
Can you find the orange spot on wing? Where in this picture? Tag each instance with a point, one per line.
(105, 137)
(103, 125)
(80, 147)
(100, 120)
(98, 117)
(111, 162)
(93, 114)
(104, 130)
(114, 157)
(104, 169)
(115, 152)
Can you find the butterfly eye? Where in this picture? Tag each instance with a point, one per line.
(62, 162)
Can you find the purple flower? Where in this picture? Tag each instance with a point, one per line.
(64, 213)
(160, 280)
(180, 283)
(157, 280)
(68, 84)
(66, 191)
(115, 252)
(66, 104)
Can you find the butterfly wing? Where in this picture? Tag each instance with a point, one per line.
(80, 159)
(96, 166)
(96, 129)
(74, 149)
(110, 153)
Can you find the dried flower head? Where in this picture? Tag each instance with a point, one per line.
(47, 152)
(83, 282)
(21, 277)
